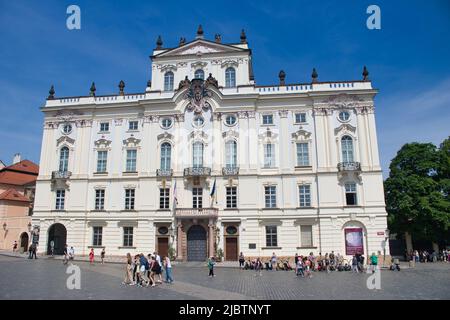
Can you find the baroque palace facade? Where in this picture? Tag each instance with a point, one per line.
(205, 160)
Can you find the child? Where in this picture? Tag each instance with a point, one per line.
(308, 268)
(300, 268)
(211, 264)
(91, 256)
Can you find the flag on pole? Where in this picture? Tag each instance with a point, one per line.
(213, 192)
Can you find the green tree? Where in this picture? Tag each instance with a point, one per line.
(416, 191)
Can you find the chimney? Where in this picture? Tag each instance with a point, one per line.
(16, 158)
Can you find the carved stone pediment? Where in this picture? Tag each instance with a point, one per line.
(67, 115)
(131, 142)
(345, 128)
(344, 101)
(268, 135)
(198, 135)
(197, 95)
(102, 143)
(301, 135)
(65, 139)
(230, 134)
(167, 67)
(165, 135)
(198, 64)
(229, 63)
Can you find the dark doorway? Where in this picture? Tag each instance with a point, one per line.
(58, 234)
(163, 246)
(24, 240)
(231, 249)
(196, 243)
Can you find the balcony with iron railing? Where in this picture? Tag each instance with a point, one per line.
(61, 175)
(164, 172)
(196, 212)
(197, 172)
(230, 171)
(349, 166)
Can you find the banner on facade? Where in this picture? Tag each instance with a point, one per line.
(354, 241)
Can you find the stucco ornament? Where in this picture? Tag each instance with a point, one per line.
(196, 94)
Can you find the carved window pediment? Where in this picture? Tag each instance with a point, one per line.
(198, 135)
(65, 140)
(301, 135)
(229, 63)
(268, 136)
(131, 142)
(167, 67)
(230, 134)
(198, 64)
(165, 136)
(345, 128)
(102, 143)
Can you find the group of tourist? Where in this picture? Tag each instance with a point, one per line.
(424, 256)
(145, 271)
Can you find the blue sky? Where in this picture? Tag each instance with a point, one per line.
(408, 59)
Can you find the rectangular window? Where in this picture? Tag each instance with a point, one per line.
(60, 198)
(164, 198)
(132, 125)
(306, 236)
(131, 161)
(102, 158)
(302, 155)
(305, 195)
(350, 194)
(271, 236)
(127, 236)
(197, 197)
(99, 199)
(104, 126)
(300, 117)
(129, 199)
(267, 119)
(231, 197)
(269, 155)
(270, 193)
(97, 236)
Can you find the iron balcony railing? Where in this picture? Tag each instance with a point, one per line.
(230, 171)
(164, 172)
(61, 175)
(349, 166)
(196, 212)
(197, 171)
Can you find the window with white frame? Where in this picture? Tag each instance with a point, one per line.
(166, 151)
(300, 117)
(230, 77)
(100, 199)
(302, 154)
(60, 199)
(129, 199)
(127, 236)
(102, 159)
(97, 238)
(231, 154)
(306, 240)
(271, 236)
(199, 74)
(164, 198)
(270, 193)
(197, 154)
(269, 155)
(133, 125)
(168, 81)
(304, 192)
(350, 194)
(131, 160)
(231, 197)
(197, 198)
(64, 159)
(347, 149)
(267, 119)
(104, 126)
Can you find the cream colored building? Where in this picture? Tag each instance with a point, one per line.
(295, 167)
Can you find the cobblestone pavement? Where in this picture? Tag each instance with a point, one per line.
(46, 279)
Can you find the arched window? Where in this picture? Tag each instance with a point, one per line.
(197, 153)
(166, 150)
(347, 149)
(231, 154)
(230, 78)
(63, 159)
(168, 81)
(199, 74)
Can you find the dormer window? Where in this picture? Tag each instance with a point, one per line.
(168, 81)
(199, 74)
(230, 78)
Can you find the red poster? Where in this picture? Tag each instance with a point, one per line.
(354, 241)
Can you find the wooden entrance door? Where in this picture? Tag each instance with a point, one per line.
(163, 246)
(231, 249)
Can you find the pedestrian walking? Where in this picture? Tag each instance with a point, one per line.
(273, 261)
(34, 251)
(258, 267)
(307, 263)
(52, 247)
(30, 251)
(168, 268)
(300, 268)
(91, 256)
(154, 266)
(15, 246)
(355, 264)
(374, 262)
(66, 255)
(102, 255)
(241, 261)
(128, 270)
(211, 264)
(158, 271)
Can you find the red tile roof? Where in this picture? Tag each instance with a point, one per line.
(19, 174)
(13, 195)
(25, 166)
